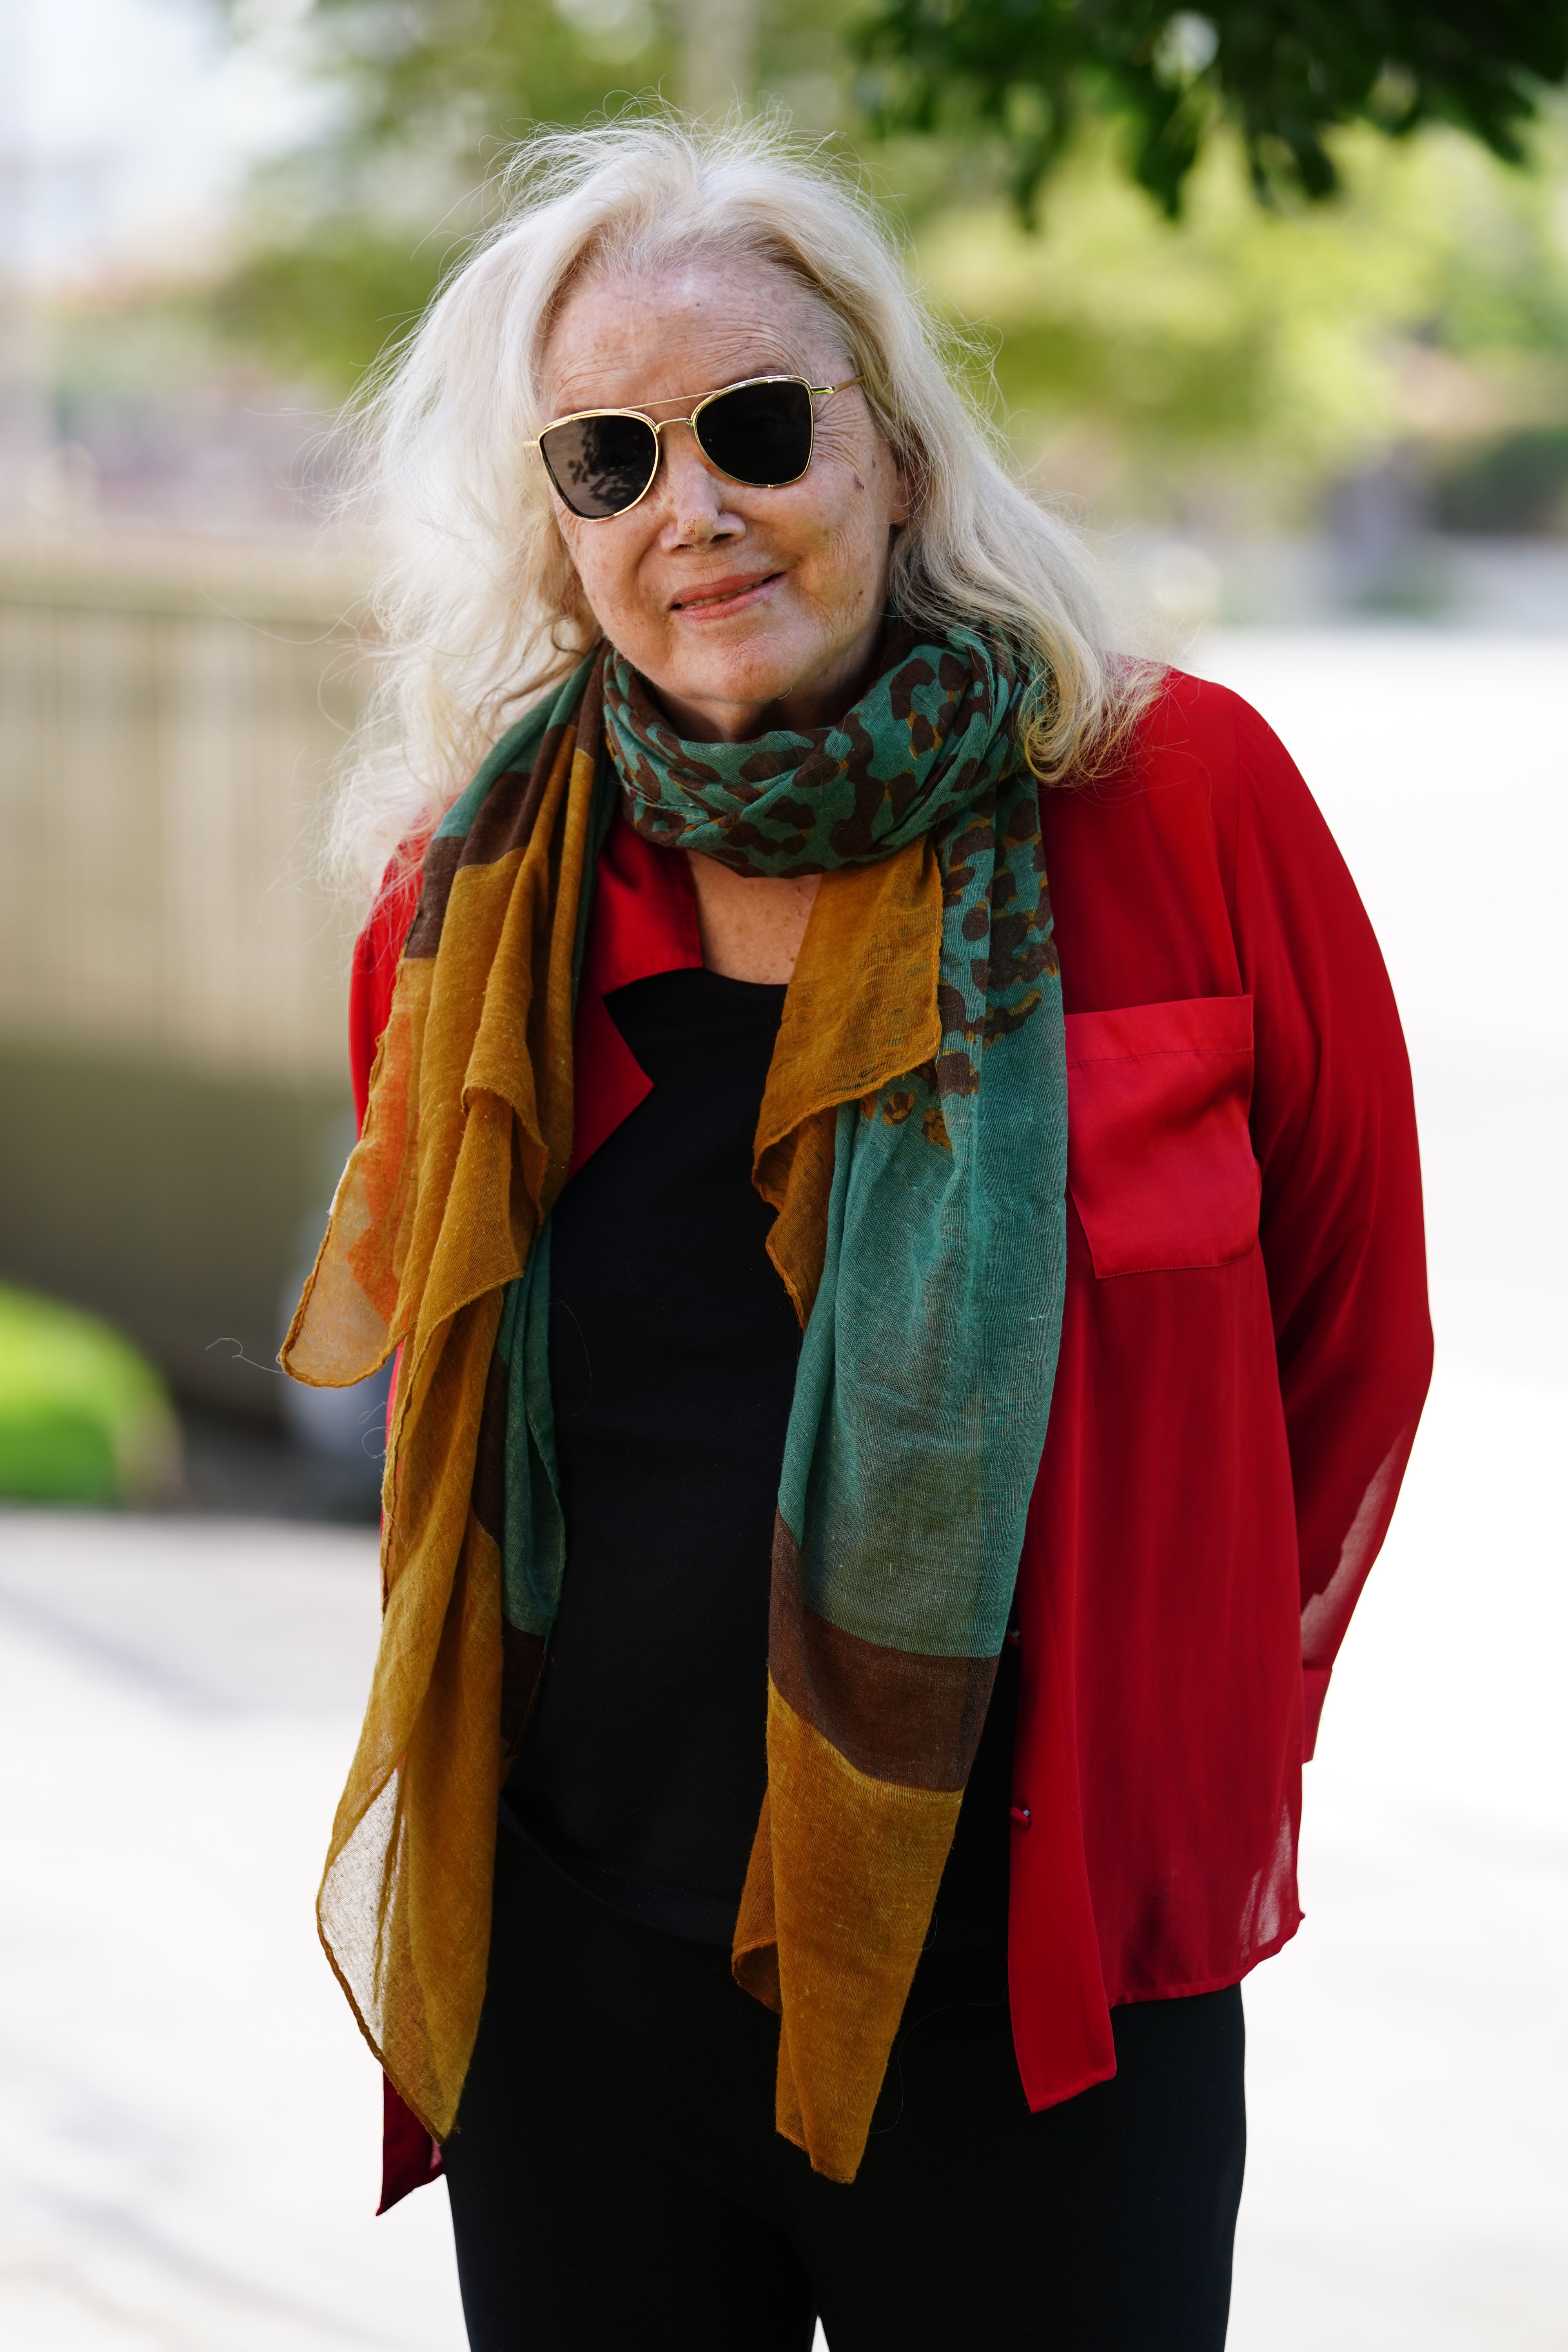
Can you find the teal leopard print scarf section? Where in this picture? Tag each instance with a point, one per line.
(937, 727)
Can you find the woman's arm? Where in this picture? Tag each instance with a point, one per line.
(1333, 1126)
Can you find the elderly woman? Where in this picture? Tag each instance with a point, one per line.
(888, 1432)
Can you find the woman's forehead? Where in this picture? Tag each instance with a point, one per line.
(684, 329)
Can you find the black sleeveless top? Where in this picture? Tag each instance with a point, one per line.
(672, 1360)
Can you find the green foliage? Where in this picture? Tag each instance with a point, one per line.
(322, 306)
(349, 236)
(83, 1418)
(1235, 360)
(1516, 483)
(1283, 73)
(423, 75)
(1233, 364)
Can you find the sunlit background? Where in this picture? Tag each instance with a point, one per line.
(1324, 450)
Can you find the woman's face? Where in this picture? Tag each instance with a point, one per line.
(743, 608)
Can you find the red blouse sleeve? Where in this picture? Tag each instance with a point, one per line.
(374, 970)
(1333, 1127)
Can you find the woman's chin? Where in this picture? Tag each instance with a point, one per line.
(728, 688)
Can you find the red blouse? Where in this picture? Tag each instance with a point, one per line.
(1245, 1352)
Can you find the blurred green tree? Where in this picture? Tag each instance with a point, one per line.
(1283, 73)
(1231, 363)
(1218, 371)
(349, 235)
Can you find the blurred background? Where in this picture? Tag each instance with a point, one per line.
(1288, 334)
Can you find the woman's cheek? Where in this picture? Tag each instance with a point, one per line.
(607, 590)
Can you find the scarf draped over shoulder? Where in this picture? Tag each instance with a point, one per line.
(912, 1141)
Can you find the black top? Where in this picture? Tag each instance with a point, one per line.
(672, 1359)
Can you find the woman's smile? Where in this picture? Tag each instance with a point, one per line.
(719, 600)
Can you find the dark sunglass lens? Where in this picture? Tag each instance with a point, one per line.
(761, 433)
(600, 465)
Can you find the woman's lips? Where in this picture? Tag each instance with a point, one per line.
(717, 599)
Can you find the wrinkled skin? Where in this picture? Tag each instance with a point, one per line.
(745, 609)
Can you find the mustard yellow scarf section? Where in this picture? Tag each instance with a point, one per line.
(466, 1143)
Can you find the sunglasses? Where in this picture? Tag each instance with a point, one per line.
(761, 432)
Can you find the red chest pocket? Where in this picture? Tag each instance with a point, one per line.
(1160, 1162)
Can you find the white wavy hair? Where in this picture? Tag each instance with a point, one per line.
(478, 609)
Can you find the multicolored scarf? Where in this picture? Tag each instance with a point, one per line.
(913, 1142)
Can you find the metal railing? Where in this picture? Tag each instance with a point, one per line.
(168, 718)
(173, 976)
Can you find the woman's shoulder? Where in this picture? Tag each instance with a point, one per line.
(1177, 766)
(1200, 756)
(1194, 722)
(1148, 853)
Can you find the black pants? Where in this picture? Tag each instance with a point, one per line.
(616, 2180)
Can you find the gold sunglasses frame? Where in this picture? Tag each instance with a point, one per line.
(657, 426)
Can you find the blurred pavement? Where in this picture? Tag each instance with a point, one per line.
(189, 2162)
(1407, 2178)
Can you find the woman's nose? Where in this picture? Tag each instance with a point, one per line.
(694, 493)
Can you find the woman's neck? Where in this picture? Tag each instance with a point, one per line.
(751, 926)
